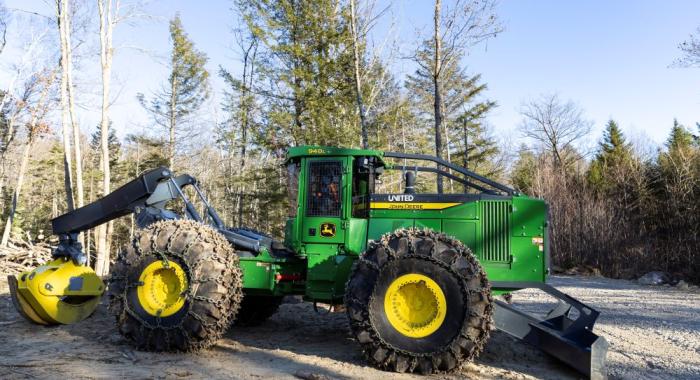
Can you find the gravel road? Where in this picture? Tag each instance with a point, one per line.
(654, 332)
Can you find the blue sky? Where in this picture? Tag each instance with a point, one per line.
(610, 57)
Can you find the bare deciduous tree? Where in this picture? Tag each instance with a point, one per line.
(456, 29)
(106, 11)
(3, 27)
(13, 101)
(356, 72)
(40, 85)
(63, 27)
(691, 51)
(555, 125)
(241, 105)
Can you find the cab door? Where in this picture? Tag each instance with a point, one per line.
(324, 211)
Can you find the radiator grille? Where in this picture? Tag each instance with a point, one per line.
(495, 231)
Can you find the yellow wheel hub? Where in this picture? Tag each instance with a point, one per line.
(162, 287)
(415, 305)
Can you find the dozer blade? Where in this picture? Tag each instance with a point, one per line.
(59, 292)
(562, 334)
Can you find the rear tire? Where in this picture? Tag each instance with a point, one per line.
(257, 309)
(419, 301)
(190, 273)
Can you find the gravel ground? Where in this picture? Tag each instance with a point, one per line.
(654, 332)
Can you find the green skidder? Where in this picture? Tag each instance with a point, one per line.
(417, 272)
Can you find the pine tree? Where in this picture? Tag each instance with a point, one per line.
(307, 71)
(523, 173)
(186, 90)
(112, 142)
(676, 188)
(463, 113)
(680, 137)
(614, 153)
(474, 148)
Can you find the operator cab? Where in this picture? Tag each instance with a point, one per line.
(328, 188)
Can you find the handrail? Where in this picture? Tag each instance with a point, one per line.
(459, 169)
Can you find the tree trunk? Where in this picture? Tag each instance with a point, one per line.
(91, 198)
(465, 162)
(74, 124)
(245, 103)
(9, 136)
(173, 109)
(17, 192)
(358, 79)
(106, 27)
(32, 130)
(76, 129)
(438, 91)
(62, 10)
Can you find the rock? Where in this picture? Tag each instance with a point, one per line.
(682, 285)
(556, 269)
(305, 375)
(653, 278)
(292, 299)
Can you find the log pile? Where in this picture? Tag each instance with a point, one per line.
(20, 256)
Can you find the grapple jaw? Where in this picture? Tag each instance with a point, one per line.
(562, 333)
(59, 292)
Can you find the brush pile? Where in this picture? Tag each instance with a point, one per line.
(20, 256)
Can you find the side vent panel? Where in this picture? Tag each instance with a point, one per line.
(495, 231)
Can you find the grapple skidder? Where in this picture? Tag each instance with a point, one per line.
(417, 273)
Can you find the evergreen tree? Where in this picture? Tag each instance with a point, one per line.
(307, 71)
(614, 154)
(474, 148)
(676, 186)
(144, 153)
(113, 144)
(680, 138)
(463, 112)
(524, 170)
(186, 90)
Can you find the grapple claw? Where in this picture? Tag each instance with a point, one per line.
(59, 292)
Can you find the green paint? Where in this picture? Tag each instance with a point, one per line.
(505, 233)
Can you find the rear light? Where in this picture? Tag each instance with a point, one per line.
(287, 277)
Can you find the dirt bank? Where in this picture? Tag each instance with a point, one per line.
(654, 332)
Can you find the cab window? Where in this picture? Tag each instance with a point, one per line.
(362, 187)
(324, 189)
(293, 187)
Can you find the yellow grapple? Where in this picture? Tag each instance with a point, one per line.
(59, 292)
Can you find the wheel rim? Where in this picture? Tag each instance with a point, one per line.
(162, 287)
(415, 305)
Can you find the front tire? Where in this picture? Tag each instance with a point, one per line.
(177, 287)
(419, 301)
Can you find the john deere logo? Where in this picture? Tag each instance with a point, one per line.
(327, 229)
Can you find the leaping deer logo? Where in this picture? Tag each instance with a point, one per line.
(327, 229)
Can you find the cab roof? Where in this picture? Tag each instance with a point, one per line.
(323, 151)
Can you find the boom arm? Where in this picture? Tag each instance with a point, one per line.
(120, 202)
(146, 196)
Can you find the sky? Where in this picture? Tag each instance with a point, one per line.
(611, 57)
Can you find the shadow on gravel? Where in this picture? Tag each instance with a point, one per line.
(298, 329)
(505, 352)
(282, 364)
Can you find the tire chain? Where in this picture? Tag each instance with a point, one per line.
(192, 277)
(353, 304)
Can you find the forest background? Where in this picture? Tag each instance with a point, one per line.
(323, 73)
